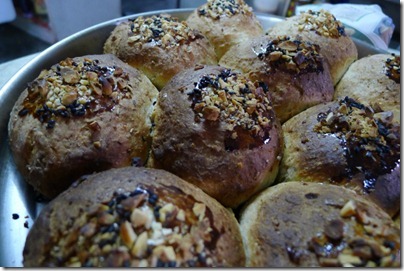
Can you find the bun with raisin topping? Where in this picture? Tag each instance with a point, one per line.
(345, 143)
(217, 129)
(82, 115)
(160, 46)
(225, 23)
(295, 71)
(322, 28)
(134, 217)
(373, 80)
(298, 224)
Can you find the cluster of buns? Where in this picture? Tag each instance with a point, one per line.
(208, 142)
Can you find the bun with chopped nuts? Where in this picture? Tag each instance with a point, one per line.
(295, 71)
(160, 46)
(134, 217)
(299, 224)
(217, 129)
(322, 28)
(374, 80)
(225, 23)
(84, 114)
(348, 144)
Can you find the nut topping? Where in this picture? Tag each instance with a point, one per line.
(74, 89)
(224, 8)
(243, 106)
(139, 228)
(322, 22)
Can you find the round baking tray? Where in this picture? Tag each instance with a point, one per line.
(16, 197)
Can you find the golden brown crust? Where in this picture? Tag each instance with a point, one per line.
(134, 217)
(323, 29)
(295, 72)
(345, 143)
(317, 225)
(82, 115)
(373, 80)
(217, 130)
(225, 23)
(160, 46)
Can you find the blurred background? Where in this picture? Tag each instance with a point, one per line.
(30, 26)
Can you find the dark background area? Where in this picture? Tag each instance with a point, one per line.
(16, 42)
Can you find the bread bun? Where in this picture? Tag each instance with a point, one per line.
(295, 72)
(225, 23)
(216, 129)
(82, 115)
(299, 224)
(373, 80)
(132, 217)
(160, 46)
(321, 27)
(345, 143)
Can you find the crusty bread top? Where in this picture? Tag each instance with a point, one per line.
(295, 71)
(374, 80)
(225, 23)
(81, 115)
(134, 217)
(160, 46)
(217, 129)
(317, 225)
(345, 143)
(322, 28)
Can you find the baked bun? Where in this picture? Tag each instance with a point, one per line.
(321, 27)
(295, 71)
(84, 114)
(317, 225)
(345, 143)
(134, 217)
(225, 23)
(373, 80)
(160, 46)
(217, 129)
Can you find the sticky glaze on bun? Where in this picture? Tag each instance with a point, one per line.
(295, 71)
(348, 144)
(134, 217)
(84, 114)
(160, 46)
(322, 28)
(217, 130)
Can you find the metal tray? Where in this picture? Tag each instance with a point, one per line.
(18, 198)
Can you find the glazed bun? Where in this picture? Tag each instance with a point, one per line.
(134, 217)
(217, 129)
(160, 46)
(322, 28)
(299, 224)
(374, 80)
(295, 72)
(345, 143)
(82, 115)
(225, 23)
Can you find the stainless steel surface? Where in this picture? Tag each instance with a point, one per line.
(16, 197)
